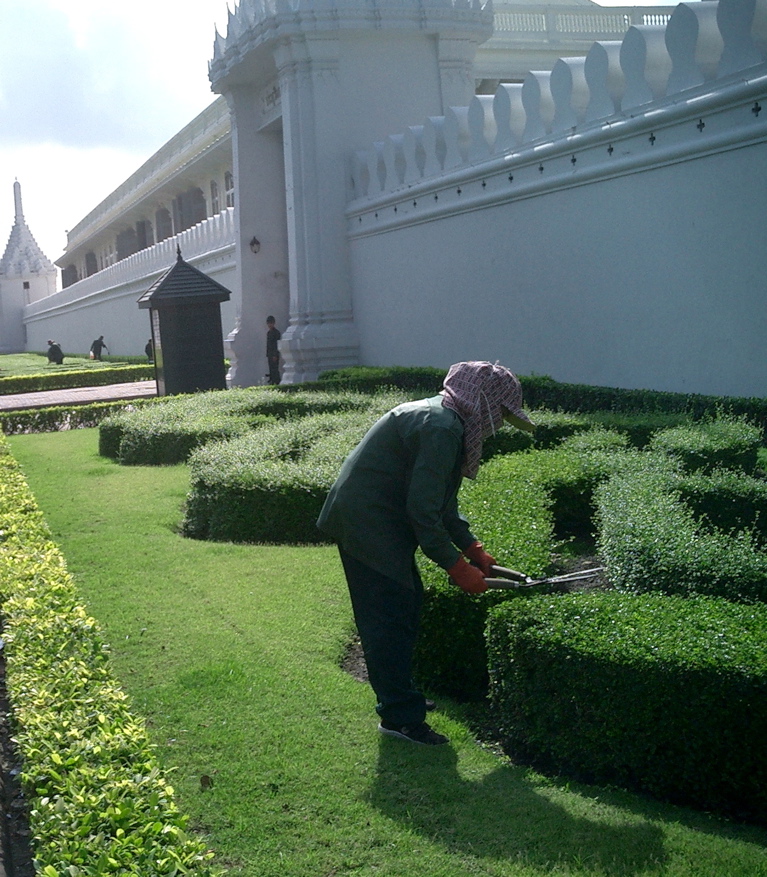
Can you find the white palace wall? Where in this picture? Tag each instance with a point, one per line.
(601, 221)
(624, 250)
(106, 302)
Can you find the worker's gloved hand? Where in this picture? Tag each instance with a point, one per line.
(476, 552)
(467, 577)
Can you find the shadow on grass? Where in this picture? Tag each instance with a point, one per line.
(504, 815)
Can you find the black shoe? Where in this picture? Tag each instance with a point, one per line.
(430, 705)
(420, 733)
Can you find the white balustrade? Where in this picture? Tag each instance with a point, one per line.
(696, 45)
(483, 128)
(570, 93)
(605, 79)
(538, 103)
(646, 65)
(510, 116)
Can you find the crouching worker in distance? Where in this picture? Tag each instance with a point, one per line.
(397, 491)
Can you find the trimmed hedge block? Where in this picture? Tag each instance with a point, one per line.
(728, 442)
(63, 380)
(517, 506)
(270, 485)
(662, 694)
(169, 430)
(650, 540)
(96, 794)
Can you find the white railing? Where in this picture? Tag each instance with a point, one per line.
(614, 82)
(205, 129)
(212, 235)
(549, 24)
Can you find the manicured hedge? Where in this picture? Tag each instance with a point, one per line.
(542, 391)
(729, 442)
(519, 506)
(59, 417)
(64, 380)
(98, 802)
(173, 427)
(662, 694)
(650, 540)
(269, 486)
(727, 501)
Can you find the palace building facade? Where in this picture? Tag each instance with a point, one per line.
(574, 190)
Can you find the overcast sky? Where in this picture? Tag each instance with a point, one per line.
(89, 90)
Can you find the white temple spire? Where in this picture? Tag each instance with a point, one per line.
(19, 213)
(23, 255)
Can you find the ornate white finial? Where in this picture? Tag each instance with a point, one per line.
(19, 213)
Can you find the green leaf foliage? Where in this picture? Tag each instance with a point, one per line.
(522, 505)
(63, 380)
(98, 801)
(650, 539)
(170, 429)
(727, 442)
(663, 694)
(269, 485)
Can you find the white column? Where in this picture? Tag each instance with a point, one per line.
(321, 334)
(259, 216)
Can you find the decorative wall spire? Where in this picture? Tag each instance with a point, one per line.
(22, 255)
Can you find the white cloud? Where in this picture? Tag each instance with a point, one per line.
(90, 90)
(59, 186)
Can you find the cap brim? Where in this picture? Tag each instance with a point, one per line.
(520, 420)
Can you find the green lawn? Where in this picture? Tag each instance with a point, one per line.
(231, 654)
(17, 364)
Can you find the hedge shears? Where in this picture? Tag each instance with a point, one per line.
(509, 579)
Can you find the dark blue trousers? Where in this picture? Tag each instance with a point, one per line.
(387, 615)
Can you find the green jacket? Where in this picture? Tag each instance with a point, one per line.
(398, 490)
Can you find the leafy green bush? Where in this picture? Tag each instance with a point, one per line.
(269, 486)
(727, 500)
(98, 801)
(542, 391)
(173, 427)
(649, 539)
(374, 378)
(63, 380)
(518, 506)
(728, 442)
(667, 695)
(58, 417)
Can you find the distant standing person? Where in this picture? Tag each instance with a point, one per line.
(55, 353)
(98, 345)
(149, 350)
(273, 335)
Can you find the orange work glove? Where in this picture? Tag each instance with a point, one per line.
(481, 558)
(467, 577)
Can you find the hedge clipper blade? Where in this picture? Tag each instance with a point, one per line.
(510, 579)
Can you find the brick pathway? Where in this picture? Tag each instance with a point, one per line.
(78, 396)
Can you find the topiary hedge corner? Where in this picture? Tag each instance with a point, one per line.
(666, 695)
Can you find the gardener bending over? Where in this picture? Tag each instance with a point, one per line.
(397, 491)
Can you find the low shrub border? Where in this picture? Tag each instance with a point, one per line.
(98, 801)
(269, 485)
(724, 442)
(58, 417)
(662, 694)
(170, 430)
(67, 379)
(520, 506)
(650, 540)
(542, 391)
